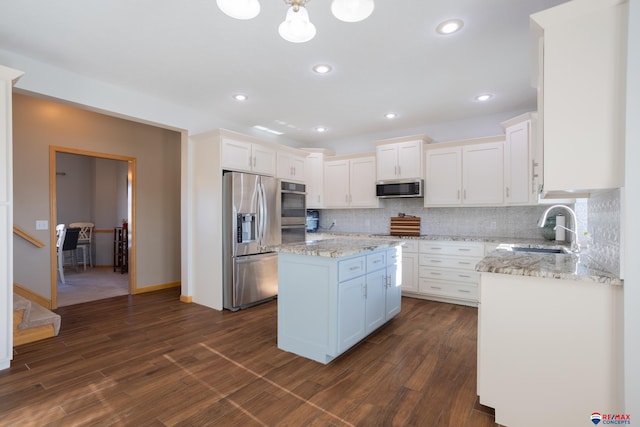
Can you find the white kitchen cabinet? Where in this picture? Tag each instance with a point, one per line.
(522, 169)
(351, 312)
(579, 50)
(246, 156)
(468, 174)
(544, 338)
(314, 179)
(393, 293)
(290, 166)
(410, 266)
(447, 271)
(350, 182)
(400, 160)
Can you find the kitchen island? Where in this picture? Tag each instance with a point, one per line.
(549, 341)
(333, 293)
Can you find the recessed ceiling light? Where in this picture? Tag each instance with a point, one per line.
(240, 97)
(322, 68)
(483, 97)
(390, 116)
(321, 129)
(450, 26)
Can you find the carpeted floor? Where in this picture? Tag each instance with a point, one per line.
(90, 285)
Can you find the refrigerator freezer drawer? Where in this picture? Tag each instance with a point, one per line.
(255, 278)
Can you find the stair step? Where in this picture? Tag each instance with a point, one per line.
(34, 323)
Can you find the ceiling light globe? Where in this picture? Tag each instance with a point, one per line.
(239, 9)
(352, 10)
(296, 27)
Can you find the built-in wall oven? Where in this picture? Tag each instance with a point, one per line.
(293, 211)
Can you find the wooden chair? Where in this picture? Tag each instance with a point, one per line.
(85, 240)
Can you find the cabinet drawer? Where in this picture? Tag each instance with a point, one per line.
(394, 256)
(443, 262)
(458, 276)
(351, 268)
(376, 261)
(473, 249)
(410, 246)
(448, 289)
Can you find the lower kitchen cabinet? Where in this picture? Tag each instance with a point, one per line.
(446, 271)
(327, 305)
(410, 265)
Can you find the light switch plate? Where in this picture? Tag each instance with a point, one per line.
(42, 224)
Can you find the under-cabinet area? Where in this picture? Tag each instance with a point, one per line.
(333, 293)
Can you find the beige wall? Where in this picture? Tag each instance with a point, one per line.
(39, 124)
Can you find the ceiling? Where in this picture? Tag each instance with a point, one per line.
(191, 55)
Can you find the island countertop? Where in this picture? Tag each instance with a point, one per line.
(337, 248)
(552, 266)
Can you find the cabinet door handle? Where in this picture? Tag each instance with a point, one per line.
(399, 171)
(254, 161)
(508, 192)
(465, 194)
(458, 196)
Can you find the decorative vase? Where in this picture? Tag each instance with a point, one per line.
(548, 231)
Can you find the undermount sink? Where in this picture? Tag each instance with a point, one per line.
(543, 250)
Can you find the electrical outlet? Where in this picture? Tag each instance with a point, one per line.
(333, 223)
(42, 224)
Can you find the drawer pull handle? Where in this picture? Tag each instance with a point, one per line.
(377, 261)
(464, 262)
(357, 267)
(436, 287)
(464, 291)
(435, 260)
(464, 275)
(436, 249)
(435, 273)
(464, 249)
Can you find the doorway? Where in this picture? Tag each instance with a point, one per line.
(93, 187)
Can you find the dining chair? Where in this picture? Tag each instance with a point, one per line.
(85, 240)
(67, 242)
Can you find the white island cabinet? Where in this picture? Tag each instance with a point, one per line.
(333, 293)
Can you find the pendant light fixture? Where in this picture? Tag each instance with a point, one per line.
(296, 27)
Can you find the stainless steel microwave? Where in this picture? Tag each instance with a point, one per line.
(400, 188)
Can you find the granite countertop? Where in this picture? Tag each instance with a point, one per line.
(337, 248)
(565, 266)
(541, 242)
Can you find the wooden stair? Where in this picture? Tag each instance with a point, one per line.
(32, 322)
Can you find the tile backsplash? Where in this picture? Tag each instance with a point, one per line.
(520, 221)
(599, 215)
(604, 229)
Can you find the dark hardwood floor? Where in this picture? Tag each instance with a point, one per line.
(150, 360)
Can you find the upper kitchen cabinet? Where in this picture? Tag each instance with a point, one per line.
(465, 173)
(522, 161)
(579, 50)
(290, 165)
(349, 182)
(314, 176)
(400, 158)
(248, 156)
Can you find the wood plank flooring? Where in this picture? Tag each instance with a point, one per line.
(150, 360)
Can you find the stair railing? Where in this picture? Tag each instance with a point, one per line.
(28, 237)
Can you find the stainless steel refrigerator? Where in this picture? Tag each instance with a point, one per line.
(251, 221)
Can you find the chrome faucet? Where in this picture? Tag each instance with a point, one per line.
(575, 246)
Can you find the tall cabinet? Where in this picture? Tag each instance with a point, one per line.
(522, 161)
(579, 53)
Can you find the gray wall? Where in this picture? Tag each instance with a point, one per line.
(39, 124)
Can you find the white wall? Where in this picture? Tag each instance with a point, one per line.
(631, 230)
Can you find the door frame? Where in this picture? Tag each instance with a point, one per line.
(53, 212)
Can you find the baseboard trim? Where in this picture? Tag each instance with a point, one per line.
(186, 298)
(33, 296)
(156, 287)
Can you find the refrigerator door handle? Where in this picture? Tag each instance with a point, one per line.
(262, 212)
